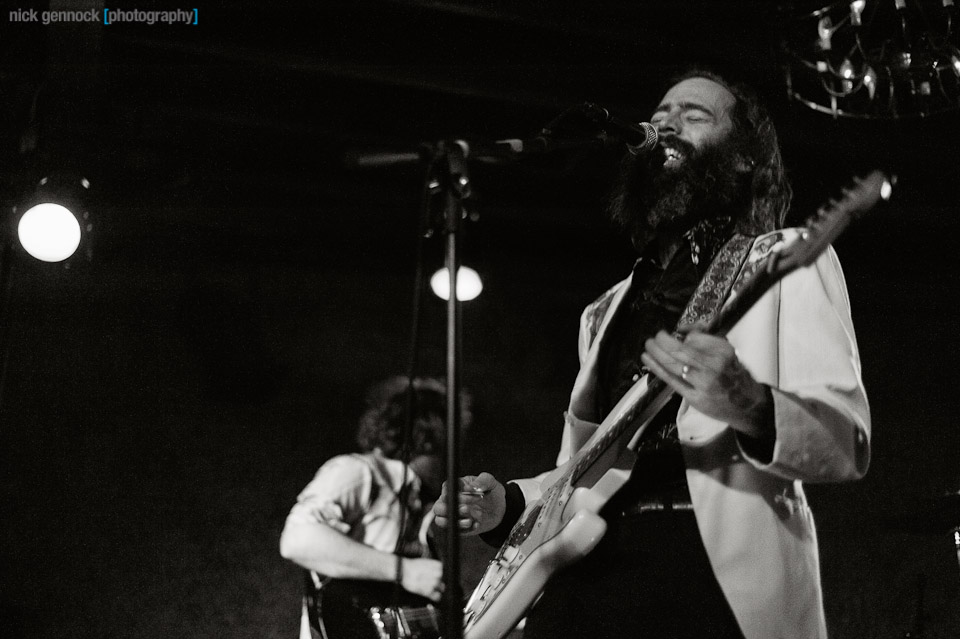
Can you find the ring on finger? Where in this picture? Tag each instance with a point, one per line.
(684, 372)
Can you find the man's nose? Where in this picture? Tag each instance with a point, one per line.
(669, 124)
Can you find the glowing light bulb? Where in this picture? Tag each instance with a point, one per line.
(49, 232)
(955, 63)
(825, 31)
(856, 12)
(846, 70)
(848, 73)
(886, 189)
(870, 81)
(469, 284)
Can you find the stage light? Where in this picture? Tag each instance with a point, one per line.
(49, 232)
(55, 221)
(469, 285)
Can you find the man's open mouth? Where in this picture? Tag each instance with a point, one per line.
(674, 157)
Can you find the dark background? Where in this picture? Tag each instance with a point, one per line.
(170, 389)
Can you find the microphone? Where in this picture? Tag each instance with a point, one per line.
(640, 137)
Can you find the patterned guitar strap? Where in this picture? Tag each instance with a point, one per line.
(706, 301)
(716, 285)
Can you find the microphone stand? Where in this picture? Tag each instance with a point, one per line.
(450, 175)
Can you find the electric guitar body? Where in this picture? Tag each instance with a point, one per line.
(361, 609)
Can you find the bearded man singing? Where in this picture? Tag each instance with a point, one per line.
(711, 536)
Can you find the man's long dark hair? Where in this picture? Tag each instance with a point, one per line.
(756, 139)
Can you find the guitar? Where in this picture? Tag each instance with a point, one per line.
(361, 609)
(563, 525)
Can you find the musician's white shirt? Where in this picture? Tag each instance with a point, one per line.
(357, 495)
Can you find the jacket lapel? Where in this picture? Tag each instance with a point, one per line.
(583, 402)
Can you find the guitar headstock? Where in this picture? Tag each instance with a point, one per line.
(833, 217)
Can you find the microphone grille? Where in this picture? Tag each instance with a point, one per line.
(649, 142)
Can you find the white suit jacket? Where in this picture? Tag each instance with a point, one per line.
(753, 516)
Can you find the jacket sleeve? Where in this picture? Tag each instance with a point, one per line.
(822, 418)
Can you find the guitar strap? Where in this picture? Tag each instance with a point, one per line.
(716, 285)
(311, 626)
(713, 290)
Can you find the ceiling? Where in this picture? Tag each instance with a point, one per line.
(244, 125)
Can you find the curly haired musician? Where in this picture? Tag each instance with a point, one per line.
(712, 535)
(347, 520)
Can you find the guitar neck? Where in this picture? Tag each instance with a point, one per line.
(746, 296)
(647, 396)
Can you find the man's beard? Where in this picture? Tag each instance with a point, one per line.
(648, 198)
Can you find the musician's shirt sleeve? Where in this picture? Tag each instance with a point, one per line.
(337, 496)
(821, 414)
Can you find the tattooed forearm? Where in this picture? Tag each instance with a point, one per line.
(751, 399)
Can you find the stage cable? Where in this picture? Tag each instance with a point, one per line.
(412, 365)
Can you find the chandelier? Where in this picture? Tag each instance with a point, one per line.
(877, 59)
